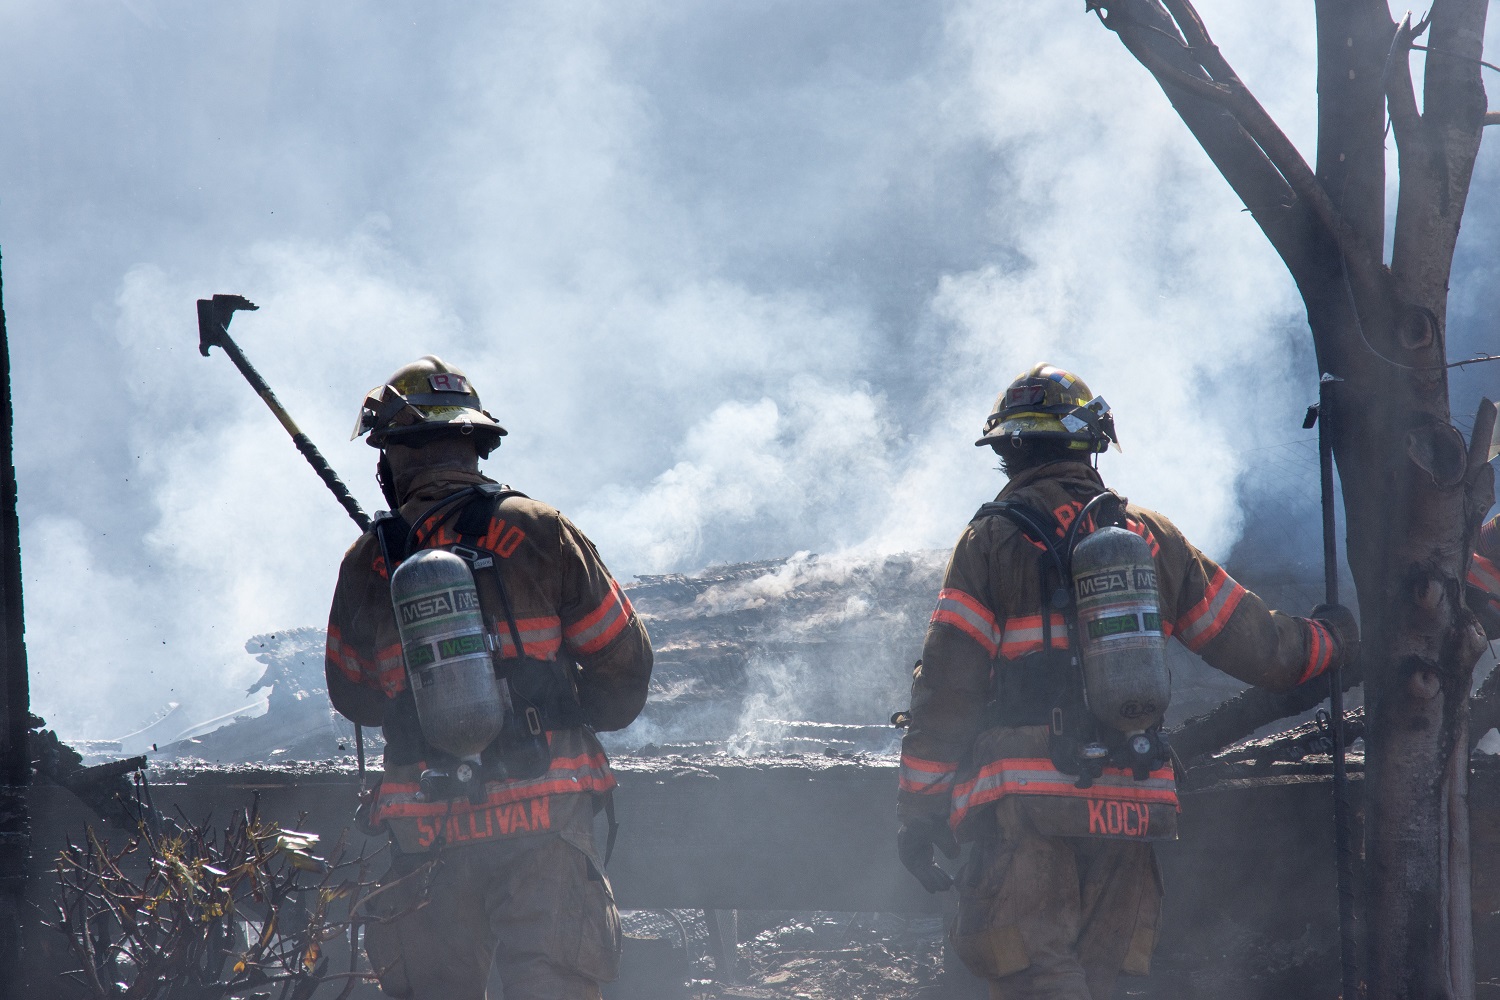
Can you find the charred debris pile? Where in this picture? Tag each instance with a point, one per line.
(757, 787)
(808, 654)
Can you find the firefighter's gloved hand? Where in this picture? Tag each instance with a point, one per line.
(1486, 608)
(1345, 628)
(915, 842)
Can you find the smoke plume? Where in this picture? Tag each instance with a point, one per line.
(741, 281)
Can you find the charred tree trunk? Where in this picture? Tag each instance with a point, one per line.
(1414, 491)
(15, 704)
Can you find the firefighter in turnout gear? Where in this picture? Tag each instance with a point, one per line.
(473, 613)
(1484, 579)
(1005, 747)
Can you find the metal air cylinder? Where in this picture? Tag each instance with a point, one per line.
(460, 703)
(1123, 649)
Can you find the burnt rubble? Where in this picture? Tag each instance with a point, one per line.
(750, 658)
(758, 785)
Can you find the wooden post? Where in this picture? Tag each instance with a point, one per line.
(15, 711)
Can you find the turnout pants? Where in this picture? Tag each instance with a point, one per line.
(538, 906)
(1054, 918)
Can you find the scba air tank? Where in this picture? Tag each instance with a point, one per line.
(1119, 625)
(460, 703)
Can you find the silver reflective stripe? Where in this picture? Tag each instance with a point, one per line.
(1023, 778)
(912, 776)
(1210, 614)
(972, 617)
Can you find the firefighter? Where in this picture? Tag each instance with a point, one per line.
(494, 857)
(1061, 893)
(1484, 579)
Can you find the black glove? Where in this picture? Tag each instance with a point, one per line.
(915, 842)
(1487, 609)
(1345, 628)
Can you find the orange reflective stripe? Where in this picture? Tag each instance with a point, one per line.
(345, 659)
(966, 614)
(1039, 776)
(1485, 575)
(566, 776)
(926, 777)
(1208, 617)
(1024, 635)
(1320, 647)
(599, 627)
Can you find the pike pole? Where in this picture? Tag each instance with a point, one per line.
(1344, 851)
(213, 331)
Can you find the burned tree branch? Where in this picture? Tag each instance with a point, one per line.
(247, 909)
(1436, 173)
(1401, 94)
(1241, 138)
(1242, 715)
(1232, 93)
(1244, 165)
(1196, 33)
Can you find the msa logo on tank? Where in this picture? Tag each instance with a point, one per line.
(444, 604)
(460, 703)
(439, 626)
(1119, 621)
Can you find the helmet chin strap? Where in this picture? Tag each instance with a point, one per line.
(387, 480)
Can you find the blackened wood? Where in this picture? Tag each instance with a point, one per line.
(1246, 712)
(15, 718)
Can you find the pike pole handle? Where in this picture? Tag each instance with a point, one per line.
(331, 480)
(1344, 851)
(213, 331)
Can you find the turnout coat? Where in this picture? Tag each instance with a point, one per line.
(956, 761)
(567, 608)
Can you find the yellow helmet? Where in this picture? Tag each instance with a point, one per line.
(1047, 403)
(423, 400)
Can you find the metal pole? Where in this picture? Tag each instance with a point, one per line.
(15, 721)
(1348, 946)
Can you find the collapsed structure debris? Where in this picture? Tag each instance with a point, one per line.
(760, 778)
(749, 657)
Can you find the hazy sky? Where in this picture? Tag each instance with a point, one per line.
(741, 279)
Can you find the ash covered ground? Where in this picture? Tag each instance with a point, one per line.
(818, 956)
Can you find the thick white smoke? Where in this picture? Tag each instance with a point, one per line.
(740, 281)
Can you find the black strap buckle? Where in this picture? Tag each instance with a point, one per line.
(533, 721)
(475, 558)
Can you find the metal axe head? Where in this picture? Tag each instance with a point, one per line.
(213, 319)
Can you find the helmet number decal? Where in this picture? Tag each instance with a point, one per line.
(448, 382)
(1025, 395)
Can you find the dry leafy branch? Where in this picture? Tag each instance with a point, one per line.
(180, 913)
